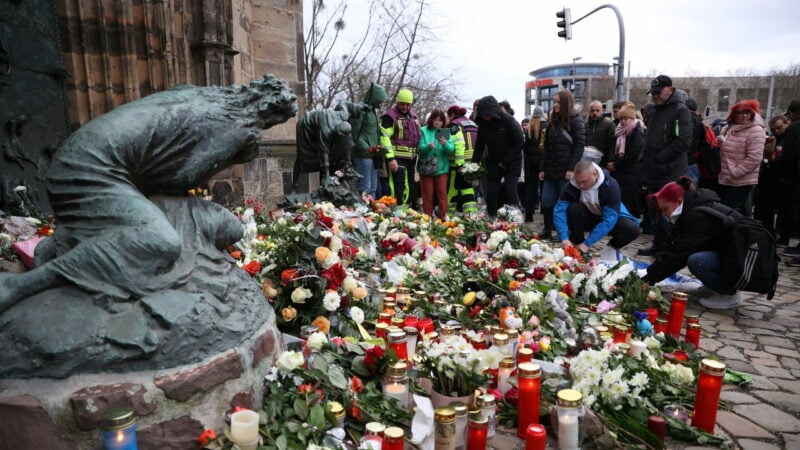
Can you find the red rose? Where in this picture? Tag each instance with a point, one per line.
(253, 267)
(288, 276)
(334, 274)
(495, 274)
(236, 255)
(512, 396)
(567, 289)
(539, 273)
(206, 437)
(323, 220)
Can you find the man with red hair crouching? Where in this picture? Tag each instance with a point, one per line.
(695, 241)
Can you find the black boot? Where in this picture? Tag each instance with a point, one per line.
(547, 232)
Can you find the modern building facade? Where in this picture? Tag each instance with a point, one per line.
(714, 95)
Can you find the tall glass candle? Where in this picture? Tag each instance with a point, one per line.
(461, 424)
(535, 437)
(425, 325)
(693, 334)
(397, 342)
(524, 354)
(444, 436)
(504, 374)
(660, 326)
(393, 439)
(412, 335)
(500, 340)
(709, 387)
(477, 432)
(119, 430)
(570, 412)
(528, 379)
(411, 321)
(244, 427)
(488, 404)
(658, 426)
(677, 308)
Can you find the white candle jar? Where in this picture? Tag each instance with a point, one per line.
(569, 419)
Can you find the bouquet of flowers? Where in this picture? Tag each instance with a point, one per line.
(472, 172)
(454, 367)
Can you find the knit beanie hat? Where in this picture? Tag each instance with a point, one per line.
(628, 110)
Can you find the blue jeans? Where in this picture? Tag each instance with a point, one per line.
(551, 189)
(369, 181)
(707, 267)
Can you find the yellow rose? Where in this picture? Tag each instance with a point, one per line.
(322, 323)
(322, 253)
(359, 292)
(469, 298)
(288, 313)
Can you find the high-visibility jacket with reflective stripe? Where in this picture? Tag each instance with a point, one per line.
(402, 138)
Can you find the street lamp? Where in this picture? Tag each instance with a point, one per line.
(575, 59)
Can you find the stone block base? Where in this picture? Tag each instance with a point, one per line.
(172, 406)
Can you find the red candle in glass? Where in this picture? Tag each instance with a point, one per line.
(477, 430)
(393, 439)
(620, 334)
(425, 325)
(528, 378)
(652, 315)
(680, 354)
(677, 308)
(398, 342)
(410, 321)
(385, 318)
(524, 355)
(478, 343)
(660, 326)
(536, 437)
(380, 330)
(658, 426)
(693, 334)
(706, 402)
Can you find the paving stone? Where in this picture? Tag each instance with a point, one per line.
(791, 385)
(719, 317)
(775, 342)
(754, 325)
(756, 315)
(741, 366)
(740, 427)
(791, 440)
(730, 353)
(729, 327)
(738, 342)
(749, 444)
(711, 345)
(782, 351)
(790, 402)
(735, 397)
(760, 354)
(769, 417)
(772, 372)
(762, 382)
(765, 362)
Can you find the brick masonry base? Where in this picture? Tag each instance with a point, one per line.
(173, 406)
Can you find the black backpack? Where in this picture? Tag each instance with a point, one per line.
(749, 257)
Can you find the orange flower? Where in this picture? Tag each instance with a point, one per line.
(322, 323)
(236, 254)
(572, 252)
(268, 288)
(322, 254)
(288, 276)
(206, 437)
(513, 285)
(288, 313)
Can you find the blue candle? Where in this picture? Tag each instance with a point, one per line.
(119, 430)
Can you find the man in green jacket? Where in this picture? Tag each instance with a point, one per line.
(367, 153)
(600, 132)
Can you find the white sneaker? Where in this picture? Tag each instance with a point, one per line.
(721, 301)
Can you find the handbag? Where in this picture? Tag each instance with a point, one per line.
(427, 166)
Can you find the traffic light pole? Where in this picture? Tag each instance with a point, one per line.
(621, 63)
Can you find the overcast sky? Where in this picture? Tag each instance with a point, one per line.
(496, 43)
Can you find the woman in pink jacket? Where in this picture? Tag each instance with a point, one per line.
(741, 150)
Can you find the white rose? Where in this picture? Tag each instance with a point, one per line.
(349, 284)
(336, 244)
(331, 301)
(300, 294)
(357, 314)
(316, 340)
(288, 361)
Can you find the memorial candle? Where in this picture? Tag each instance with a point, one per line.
(393, 439)
(425, 325)
(528, 379)
(660, 326)
(244, 428)
(412, 335)
(677, 308)
(693, 334)
(709, 386)
(504, 373)
(119, 430)
(395, 383)
(637, 348)
(652, 315)
(536, 437)
(477, 432)
(658, 426)
(397, 342)
(524, 354)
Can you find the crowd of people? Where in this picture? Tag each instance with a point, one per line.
(621, 173)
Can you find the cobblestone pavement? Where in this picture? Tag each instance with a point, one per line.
(760, 338)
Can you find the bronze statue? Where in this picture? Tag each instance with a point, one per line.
(127, 232)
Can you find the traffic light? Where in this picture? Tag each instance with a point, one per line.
(564, 23)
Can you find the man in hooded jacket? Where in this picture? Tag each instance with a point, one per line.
(500, 138)
(367, 154)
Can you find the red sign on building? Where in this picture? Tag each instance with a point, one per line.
(537, 83)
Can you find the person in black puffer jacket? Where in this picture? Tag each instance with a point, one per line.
(626, 154)
(563, 147)
(500, 136)
(533, 129)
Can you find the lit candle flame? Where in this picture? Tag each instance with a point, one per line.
(120, 436)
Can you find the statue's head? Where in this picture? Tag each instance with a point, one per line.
(269, 101)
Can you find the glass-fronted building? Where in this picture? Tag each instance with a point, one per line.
(581, 78)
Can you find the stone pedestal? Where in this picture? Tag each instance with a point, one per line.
(172, 406)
